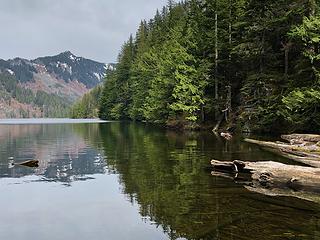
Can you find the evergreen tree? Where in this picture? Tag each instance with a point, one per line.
(206, 60)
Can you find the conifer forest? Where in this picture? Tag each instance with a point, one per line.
(247, 64)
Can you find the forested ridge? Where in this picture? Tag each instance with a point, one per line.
(248, 63)
(47, 86)
(30, 104)
(88, 105)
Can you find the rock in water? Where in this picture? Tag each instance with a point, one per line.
(226, 135)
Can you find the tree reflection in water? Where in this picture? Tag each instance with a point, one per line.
(164, 172)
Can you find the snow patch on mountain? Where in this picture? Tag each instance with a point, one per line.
(97, 75)
(10, 71)
(72, 57)
(64, 74)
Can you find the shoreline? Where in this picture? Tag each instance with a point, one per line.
(25, 121)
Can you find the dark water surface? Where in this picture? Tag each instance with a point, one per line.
(131, 181)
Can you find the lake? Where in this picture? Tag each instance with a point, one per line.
(112, 180)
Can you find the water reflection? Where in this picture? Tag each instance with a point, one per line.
(63, 155)
(165, 174)
(162, 173)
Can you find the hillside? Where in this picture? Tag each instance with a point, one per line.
(46, 86)
(88, 105)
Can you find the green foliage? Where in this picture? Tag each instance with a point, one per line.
(308, 33)
(88, 105)
(51, 104)
(188, 90)
(302, 109)
(198, 60)
(8, 82)
(160, 81)
(116, 111)
(116, 95)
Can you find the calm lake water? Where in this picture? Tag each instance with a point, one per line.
(130, 181)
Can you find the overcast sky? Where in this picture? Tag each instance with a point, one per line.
(93, 29)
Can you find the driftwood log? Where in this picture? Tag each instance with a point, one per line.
(302, 138)
(272, 178)
(30, 163)
(302, 148)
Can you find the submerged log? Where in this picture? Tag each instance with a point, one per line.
(272, 178)
(30, 163)
(235, 166)
(307, 154)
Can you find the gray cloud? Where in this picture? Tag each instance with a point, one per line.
(94, 29)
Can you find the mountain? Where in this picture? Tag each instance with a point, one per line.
(46, 86)
(72, 68)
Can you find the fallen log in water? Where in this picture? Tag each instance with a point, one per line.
(307, 154)
(30, 163)
(272, 178)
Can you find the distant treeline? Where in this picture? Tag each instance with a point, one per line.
(50, 105)
(88, 105)
(252, 63)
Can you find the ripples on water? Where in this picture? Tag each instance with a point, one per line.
(129, 181)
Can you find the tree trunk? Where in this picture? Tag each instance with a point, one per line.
(229, 93)
(202, 114)
(272, 178)
(262, 51)
(216, 83)
(303, 153)
(219, 121)
(286, 48)
(313, 6)
(286, 63)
